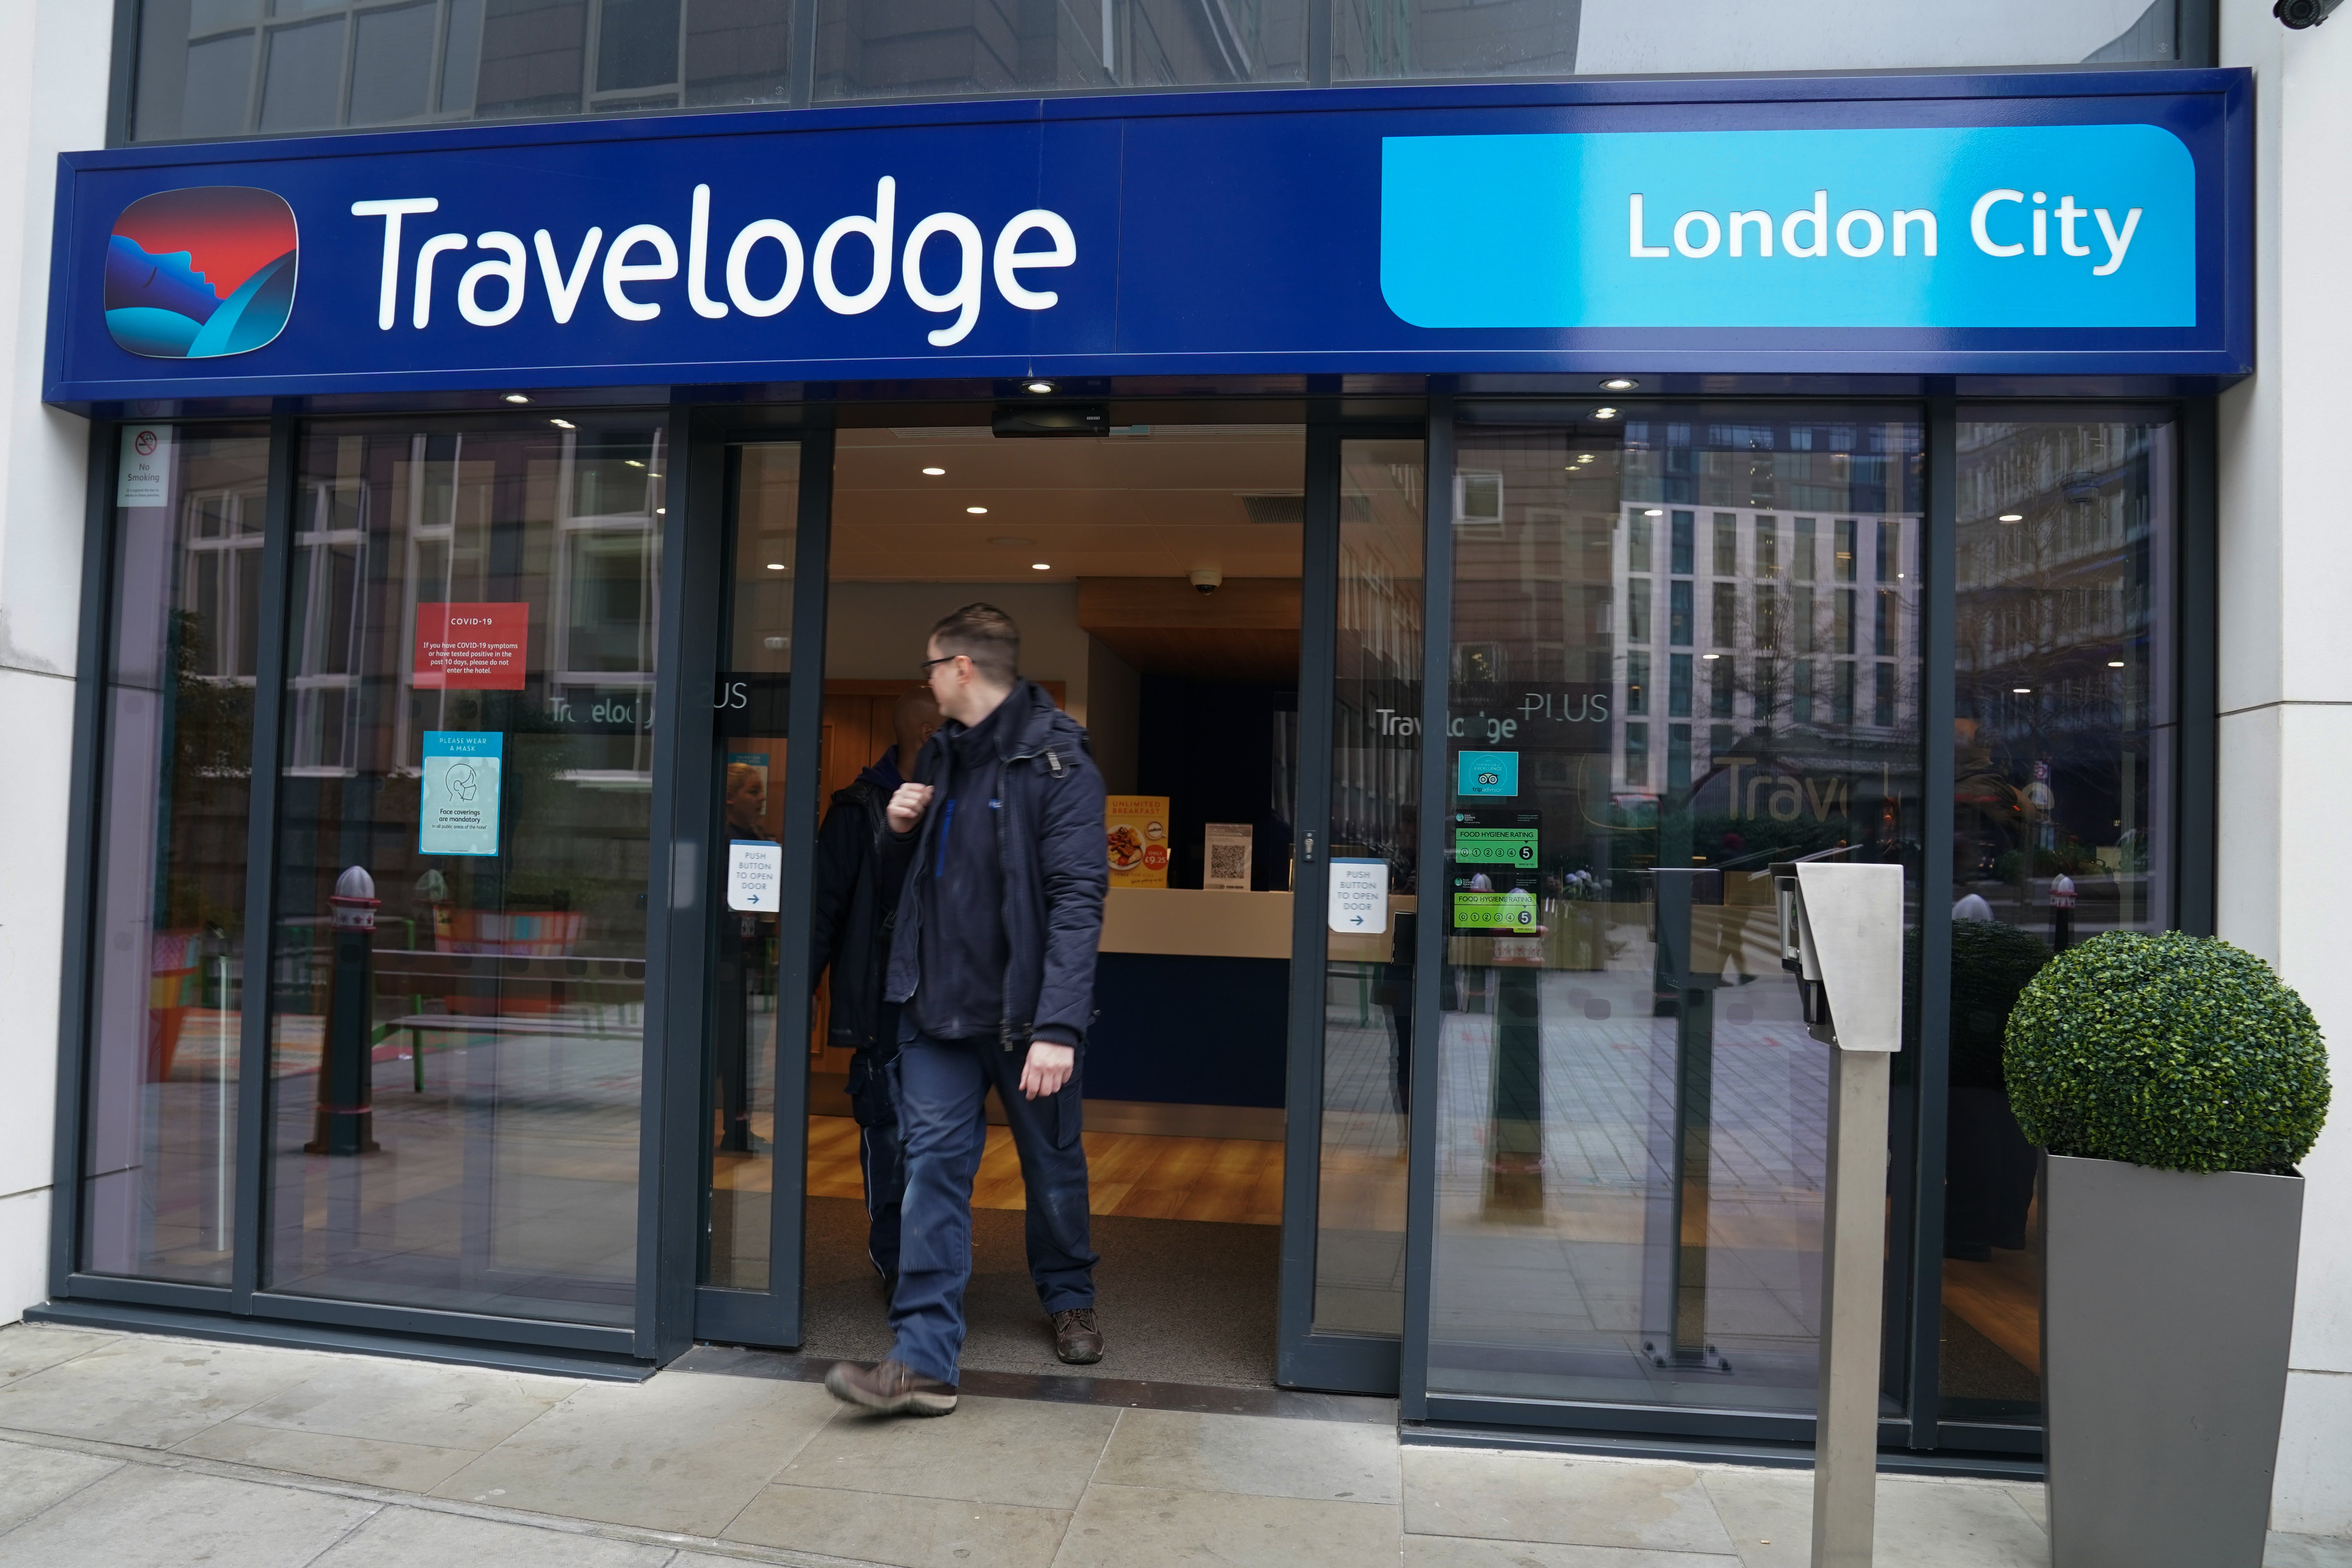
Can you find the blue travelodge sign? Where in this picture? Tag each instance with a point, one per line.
(2093, 224)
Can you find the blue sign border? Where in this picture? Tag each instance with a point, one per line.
(1286, 181)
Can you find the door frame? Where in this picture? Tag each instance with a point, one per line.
(773, 1317)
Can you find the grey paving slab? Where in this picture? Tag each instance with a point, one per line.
(1921, 1524)
(2284, 1551)
(1254, 1455)
(371, 1461)
(144, 1516)
(33, 1478)
(1574, 1502)
(1461, 1551)
(420, 1538)
(26, 1348)
(1153, 1527)
(2035, 1501)
(412, 1401)
(681, 1451)
(150, 1392)
(905, 1531)
(1026, 1453)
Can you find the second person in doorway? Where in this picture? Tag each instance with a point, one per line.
(993, 963)
(861, 869)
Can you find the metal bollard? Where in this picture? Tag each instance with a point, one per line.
(346, 1117)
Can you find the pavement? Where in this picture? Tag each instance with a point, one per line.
(132, 1451)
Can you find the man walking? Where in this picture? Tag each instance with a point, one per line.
(861, 869)
(993, 963)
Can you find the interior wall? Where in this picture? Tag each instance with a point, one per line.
(876, 631)
(1114, 716)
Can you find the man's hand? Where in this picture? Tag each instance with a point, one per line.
(905, 807)
(1048, 1068)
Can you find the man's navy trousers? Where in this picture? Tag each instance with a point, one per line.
(940, 1088)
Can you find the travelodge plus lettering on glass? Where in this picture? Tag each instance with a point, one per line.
(1408, 229)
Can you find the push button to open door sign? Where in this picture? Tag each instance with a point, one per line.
(755, 875)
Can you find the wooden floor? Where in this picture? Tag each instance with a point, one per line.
(1134, 1175)
(2000, 1300)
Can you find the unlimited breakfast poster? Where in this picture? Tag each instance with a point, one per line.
(1136, 825)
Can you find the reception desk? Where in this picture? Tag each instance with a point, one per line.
(1192, 993)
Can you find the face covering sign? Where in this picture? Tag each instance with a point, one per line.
(458, 807)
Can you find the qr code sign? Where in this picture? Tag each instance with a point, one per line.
(1228, 862)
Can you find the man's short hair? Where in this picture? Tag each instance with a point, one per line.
(986, 636)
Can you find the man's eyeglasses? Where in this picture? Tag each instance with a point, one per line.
(924, 670)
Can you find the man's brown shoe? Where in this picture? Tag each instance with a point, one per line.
(890, 1388)
(1077, 1338)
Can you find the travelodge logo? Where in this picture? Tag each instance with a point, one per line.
(199, 273)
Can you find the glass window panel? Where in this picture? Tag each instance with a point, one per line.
(1387, 39)
(206, 15)
(534, 54)
(751, 722)
(636, 44)
(461, 56)
(167, 1004)
(304, 84)
(1375, 807)
(868, 48)
(2063, 816)
(738, 52)
(1726, 544)
(219, 80)
(469, 713)
(1684, 547)
(1631, 1115)
(392, 68)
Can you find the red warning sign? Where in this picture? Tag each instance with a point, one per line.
(483, 648)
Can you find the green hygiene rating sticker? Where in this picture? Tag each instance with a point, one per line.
(1514, 910)
(1495, 846)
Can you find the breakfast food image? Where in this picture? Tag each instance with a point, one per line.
(1135, 831)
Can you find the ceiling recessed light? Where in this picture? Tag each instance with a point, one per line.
(934, 473)
(2013, 517)
(563, 425)
(1041, 387)
(1707, 656)
(517, 398)
(1620, 383)
(633, 462)
(1604, 413)
(1040, 566)
(661, 512)
(775, 565)
(2021, 691)
(2114, 663)
(1655, 511)
(977, 511)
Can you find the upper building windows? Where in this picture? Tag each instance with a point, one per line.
(209, 68)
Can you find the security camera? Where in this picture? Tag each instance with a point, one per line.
(2302, 14)
(1206, 579)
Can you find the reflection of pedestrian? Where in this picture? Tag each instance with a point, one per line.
(993, 957)
(742, 957)
(1393, 989)
(861, 869)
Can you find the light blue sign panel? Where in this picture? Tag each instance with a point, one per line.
(457, 804)
(2044, 226)
(1489, 773)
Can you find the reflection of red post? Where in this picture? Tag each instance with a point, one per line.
(346, 1118)
(2062, 911)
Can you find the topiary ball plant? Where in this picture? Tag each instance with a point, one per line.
(2178, 1052)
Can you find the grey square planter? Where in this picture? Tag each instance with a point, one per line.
(2167, 1302)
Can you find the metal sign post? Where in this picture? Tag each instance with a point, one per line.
(1842, 932)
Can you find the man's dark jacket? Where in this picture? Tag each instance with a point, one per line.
(861, 866)
(1049, 836)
